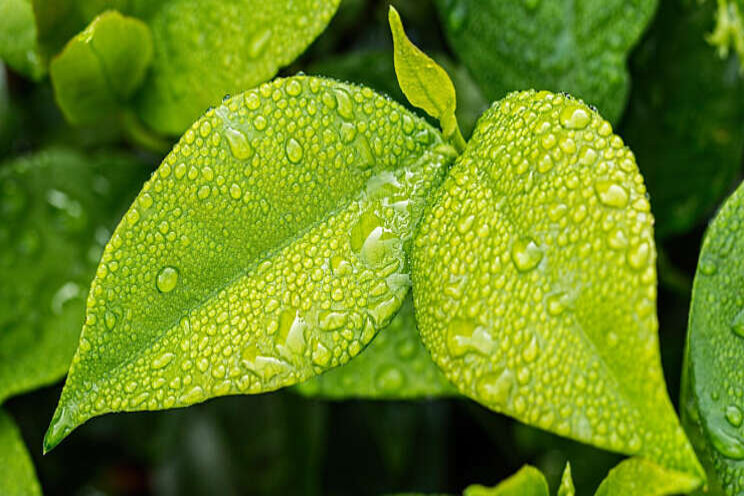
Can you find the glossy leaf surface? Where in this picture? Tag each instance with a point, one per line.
(715, 349)
(395, 365)
(17, 476)
(57, 210)
(535, 284)
(640, 476)
(268, 247)
(577, 46)
(101, 67)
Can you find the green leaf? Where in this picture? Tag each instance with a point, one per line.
(395, 365)
(17, 476)
(101, 67)
(715, 347)
(268, 247)
(640, 476)
(528, 481)
(535, 284)
(57, 208)
(685, 120)
(424, 82)
(729, 32)
(567, 486)
(577, 46)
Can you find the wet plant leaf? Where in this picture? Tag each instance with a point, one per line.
(101, 67)
(640, 476)
(685, 120)
(561, 45)
(57, 209)
(424, 83)
(712, 407)
(395, 365)
(268, 247)
(535, 285)
(17, 475)
(528, 481)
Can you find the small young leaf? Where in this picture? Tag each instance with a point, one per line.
(641, 476)
(685, 120)
(425, 84)
(57, 208)
(395, 365)
(729, 32)
(567, 486)
(17, 476)
(577, 46)
(535, 283)
(101, 67)
(268, 247)
(712, 408)
(528, 481)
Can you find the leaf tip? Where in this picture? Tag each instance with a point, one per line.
(60, 427)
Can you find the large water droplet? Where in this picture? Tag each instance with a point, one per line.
(526, 254)
(238, 142)
(737, 325)
(344, 105)
(494, 388)
(734, 415)
(728, 445)
(167, 279)
(294, 150)
(574, 117)
(611, 194)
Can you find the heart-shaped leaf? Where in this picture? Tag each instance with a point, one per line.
(395, 365)
(578, 46)
(101, 67)
(528, 481)
(641, 476)
(17, 476)
(712, 402)
(535, 283)
(268, 247)
(57, 210)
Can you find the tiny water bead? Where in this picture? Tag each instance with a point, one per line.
(167, 279)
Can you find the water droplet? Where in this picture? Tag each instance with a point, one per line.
(734, 415)
(638, 255)
(737, 325)
(728, 445)
(258, 42)
(238, 142)
(167, 279)
(708, 267)
(611, 194)
(294, 150)
(162, 360)
(574, 117)
(294, 88)
(109, 319)
(459, 335)
(526, 254)
(494, 388)
(343, 101)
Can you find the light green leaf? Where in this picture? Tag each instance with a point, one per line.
(101, 67)
(57, 209)
(17, 476)
(528, 481)
(424, 82)
(729, 31)
(712, 406)
(535, 283)
(395, 365)
(643, 477)
(567, 486)
(268, 247)
(577, 46)
(685, 120)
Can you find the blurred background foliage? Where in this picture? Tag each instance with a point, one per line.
(685, 122)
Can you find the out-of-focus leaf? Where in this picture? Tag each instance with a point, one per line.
(638, 476)
(711, 391)
(101, 67)
(729, 32)
(528, 481)
(57, 209)
(577, 46)
(17, 476)
(534, 280)
(685, 120)
(268, 247)
(395, 365)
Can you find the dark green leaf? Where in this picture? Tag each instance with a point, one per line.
(17, 476)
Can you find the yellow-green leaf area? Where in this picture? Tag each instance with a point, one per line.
(566, 487)
(395, 365)
(577, 46)
(17, 475)
(641, 476)
(100, 68)
(57, 209)
(268, 247)
(711, 396)
(528, 481)
(535, 282)
(729, 30)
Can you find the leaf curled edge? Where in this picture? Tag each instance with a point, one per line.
(269, 246)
